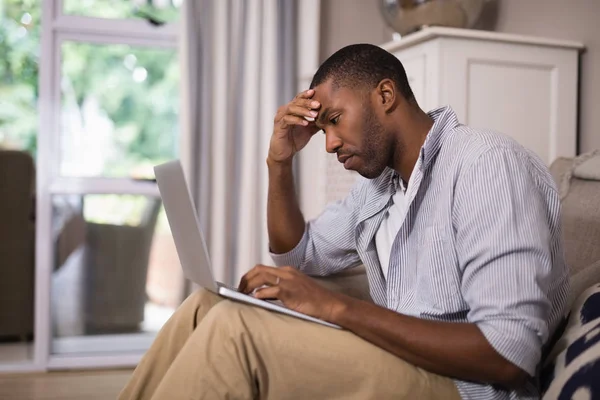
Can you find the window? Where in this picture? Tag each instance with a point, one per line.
(119, 109)
(108, 272)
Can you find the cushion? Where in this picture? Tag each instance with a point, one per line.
(582, 279)
(572, 369)
(589, 168)
(580, 217)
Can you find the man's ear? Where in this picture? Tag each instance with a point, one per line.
(386, 93)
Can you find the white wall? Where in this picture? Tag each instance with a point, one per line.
(351, 21)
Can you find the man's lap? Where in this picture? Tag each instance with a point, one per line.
(318, 358)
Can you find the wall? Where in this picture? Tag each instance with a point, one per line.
(350, 21)
(345, 22)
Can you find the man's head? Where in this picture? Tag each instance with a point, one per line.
(359, 87)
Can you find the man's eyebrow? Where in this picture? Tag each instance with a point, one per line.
(322, 118)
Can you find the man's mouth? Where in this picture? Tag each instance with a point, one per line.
(346, 160)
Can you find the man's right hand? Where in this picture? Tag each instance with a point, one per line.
(291, 131)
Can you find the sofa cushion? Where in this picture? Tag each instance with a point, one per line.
(589, 166)
(580, 213)
(572, 369)
(579, 192)
(582, 279)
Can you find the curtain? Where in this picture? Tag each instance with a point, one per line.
(238, 62)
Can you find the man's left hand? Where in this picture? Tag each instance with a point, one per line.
(296, 290)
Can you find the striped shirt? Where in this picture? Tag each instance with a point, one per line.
(480, 243)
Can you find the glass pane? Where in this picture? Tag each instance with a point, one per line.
(119, 113)
(156, 11)
(19, 49)
(116, 272)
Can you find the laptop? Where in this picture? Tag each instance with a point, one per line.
(190, 244)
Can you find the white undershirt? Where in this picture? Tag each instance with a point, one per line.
(392, 221)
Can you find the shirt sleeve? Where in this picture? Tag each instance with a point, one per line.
(328, 244)
(503, 240)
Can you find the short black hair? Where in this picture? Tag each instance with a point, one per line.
(363, 65)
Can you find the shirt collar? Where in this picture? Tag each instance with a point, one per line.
(444, 120)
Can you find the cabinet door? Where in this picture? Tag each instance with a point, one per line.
(527, 92)
(415, 65)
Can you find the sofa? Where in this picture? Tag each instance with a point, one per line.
(571, 367)
(17, 244)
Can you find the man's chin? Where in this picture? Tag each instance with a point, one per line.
(370, 174)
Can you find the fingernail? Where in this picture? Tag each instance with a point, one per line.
(314, 104)
(314, 113)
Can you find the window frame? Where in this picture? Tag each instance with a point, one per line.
(57, 28)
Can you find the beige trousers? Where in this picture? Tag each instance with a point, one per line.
(220, 349)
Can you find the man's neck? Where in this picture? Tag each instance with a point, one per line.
(410, 139)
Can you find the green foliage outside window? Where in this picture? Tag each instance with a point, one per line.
(135, 88)
(19, 58)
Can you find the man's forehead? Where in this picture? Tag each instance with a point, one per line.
(323, 91)
(329, 93)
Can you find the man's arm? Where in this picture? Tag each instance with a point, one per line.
(325, 245)
(285, 221)
(457, 350)
(291, 133)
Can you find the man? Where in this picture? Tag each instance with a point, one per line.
(458, 230)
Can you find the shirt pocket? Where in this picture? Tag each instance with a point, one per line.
(438, 274)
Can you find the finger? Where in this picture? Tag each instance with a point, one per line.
(307, 103)
(307, 94)
(242, 284)
(289, 120)
(255, 271)
(263, 279)
(301, 111)
(268, 293)
(250, 274)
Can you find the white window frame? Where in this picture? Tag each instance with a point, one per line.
(56, 29)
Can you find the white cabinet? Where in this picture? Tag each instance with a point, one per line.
(521, 86)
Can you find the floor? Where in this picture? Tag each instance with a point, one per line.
(88, 385)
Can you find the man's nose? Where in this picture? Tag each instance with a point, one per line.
(332, 142)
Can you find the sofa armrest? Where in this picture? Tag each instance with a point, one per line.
(352, 282)
(582, 279)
